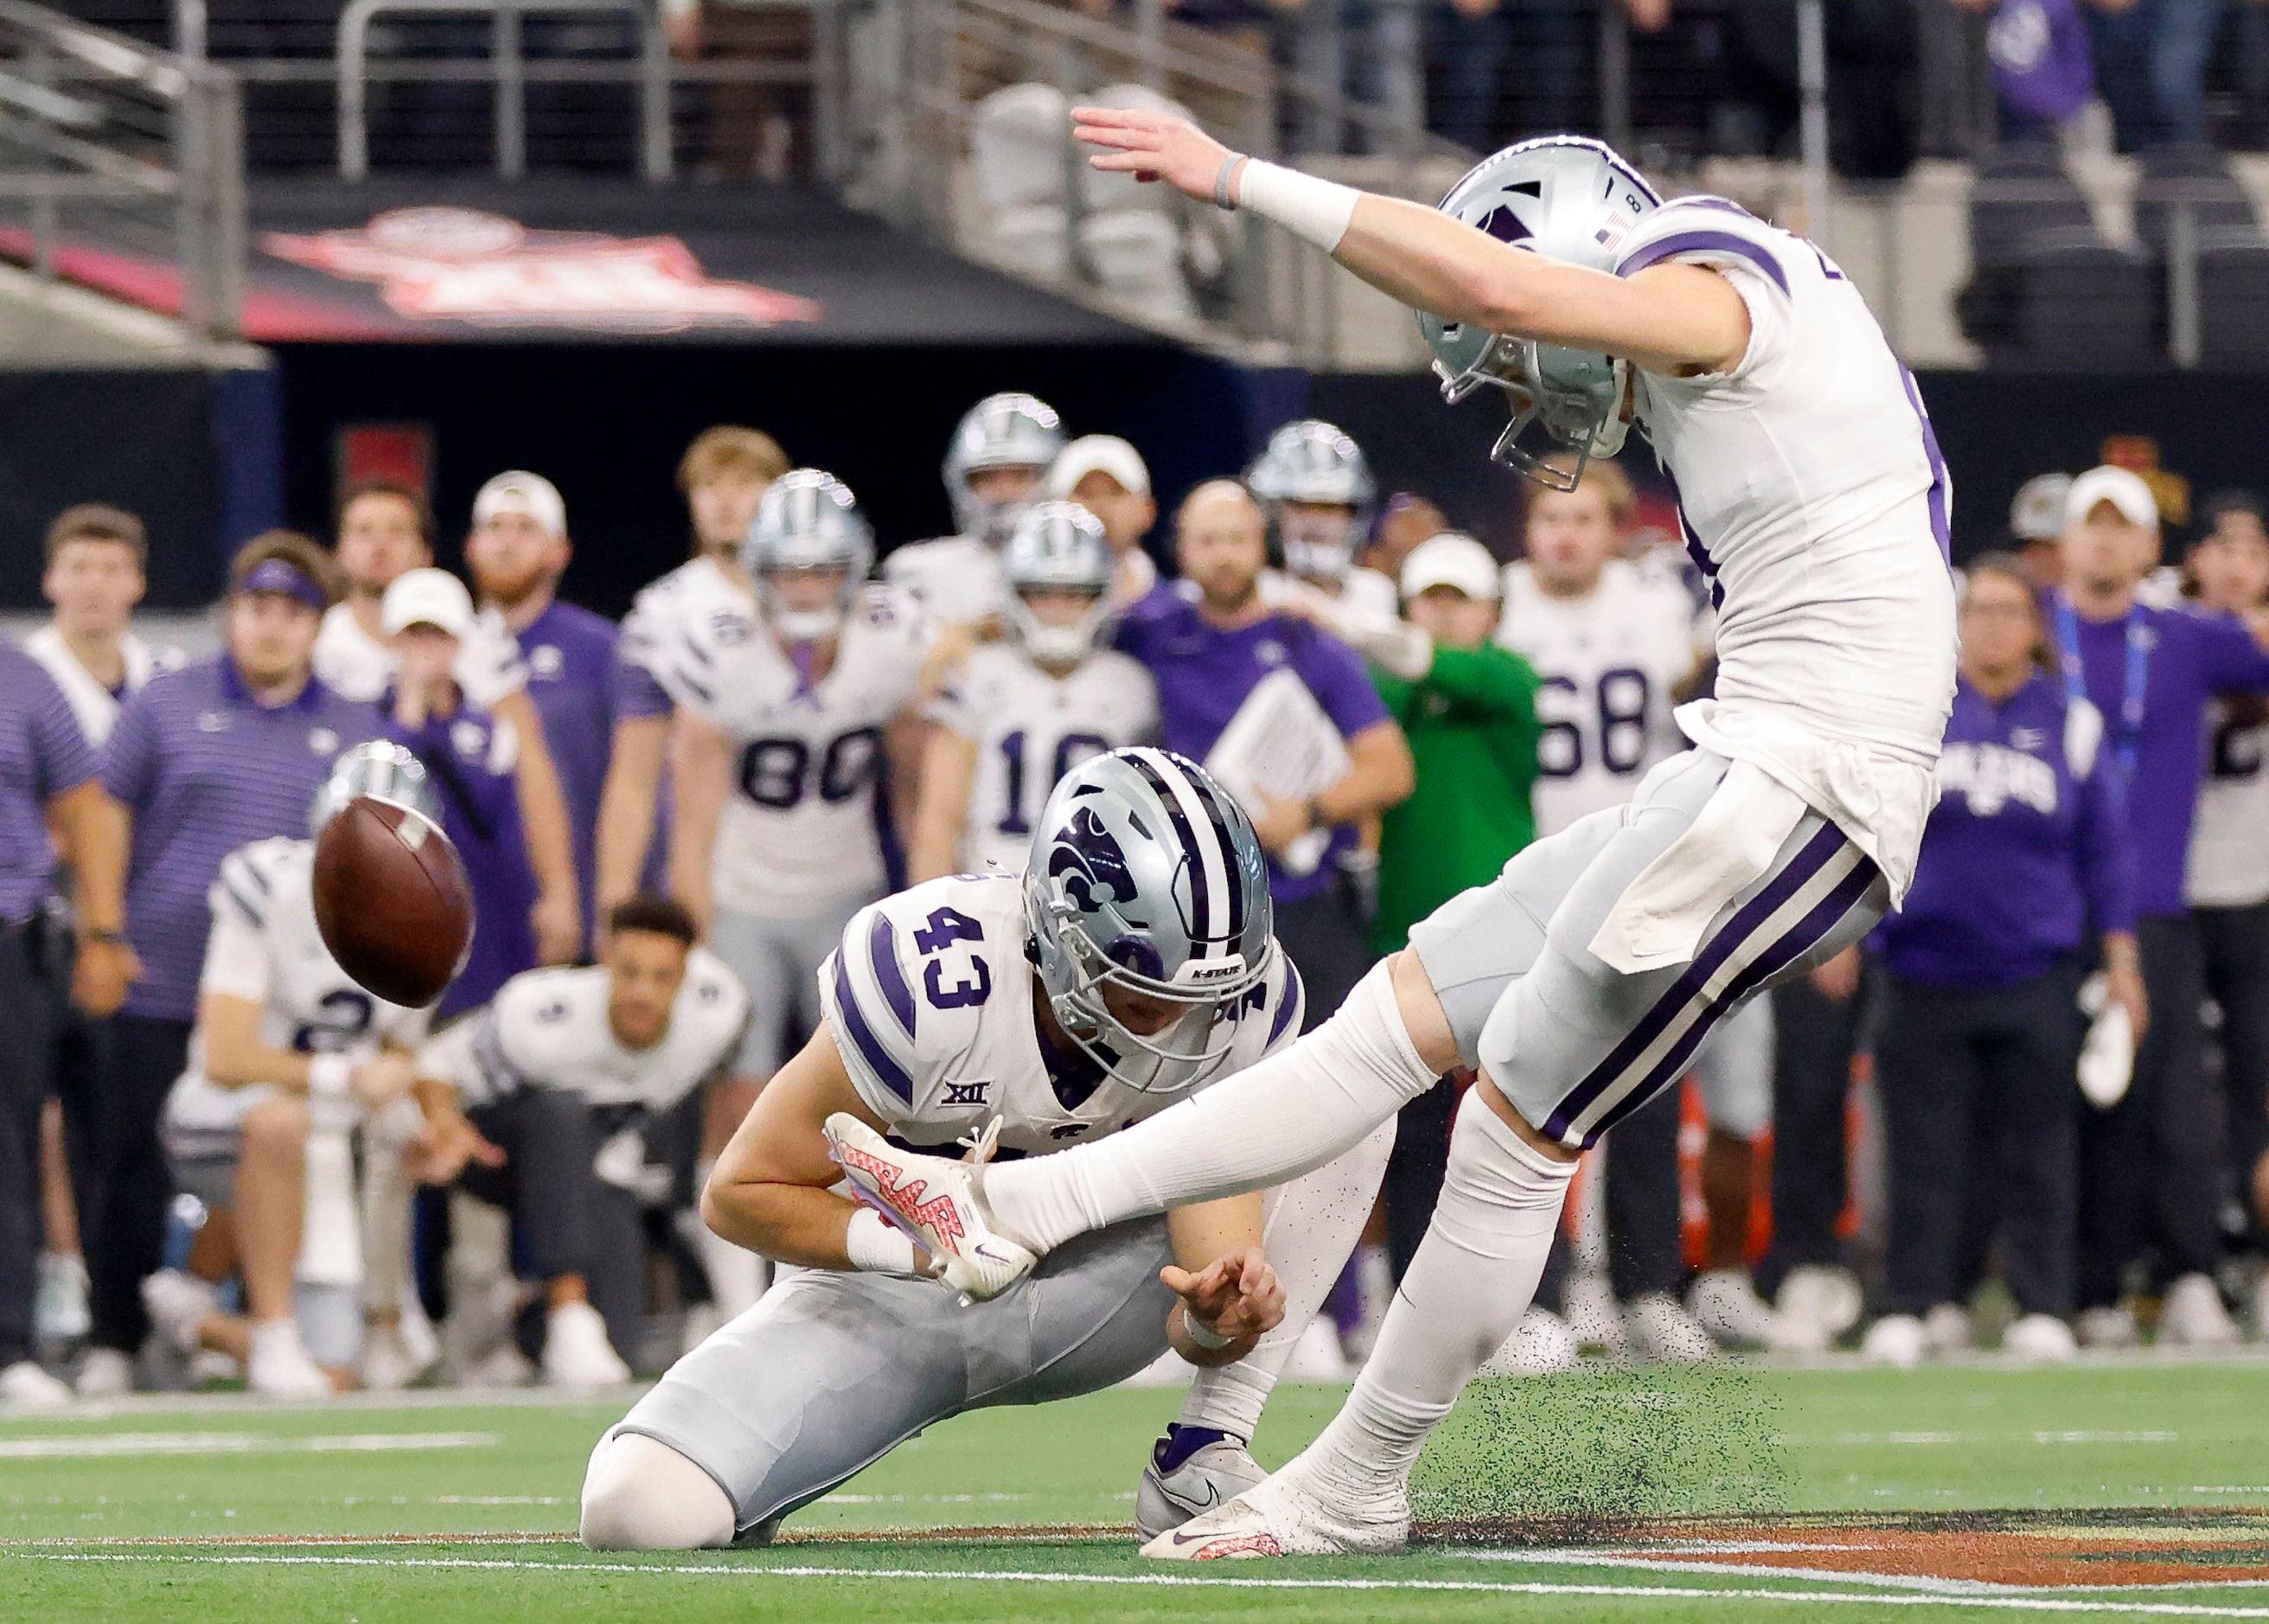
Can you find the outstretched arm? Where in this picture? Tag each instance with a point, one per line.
(1669, 318)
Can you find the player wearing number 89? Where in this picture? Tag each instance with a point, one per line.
(1129, 966)
(1021, 712)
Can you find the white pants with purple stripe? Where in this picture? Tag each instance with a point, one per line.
(1576, 1045)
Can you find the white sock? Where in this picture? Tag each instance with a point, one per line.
(1307, 1229)
(1462, 1296)
(1284, 1116)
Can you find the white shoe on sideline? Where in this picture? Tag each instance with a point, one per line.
(2040, 1339)
(27, 1389)
(502, 1366)
(940, 1204)
(105, 1373)
(1948, 1327)
(2193, 1315)
(210, 1366)
(1896, 1340)
(1725, 1303)
(1280, 1517)
(1588, 1303)
(59, 1308)
(1211, 1476)
(178, 1302)
(2106, 1327)
(576, 1352)
(1541, 1345)
(1317, 1356)
(1663, 1332)
(392, 1359)
(1817, 1303)
(281, 1366)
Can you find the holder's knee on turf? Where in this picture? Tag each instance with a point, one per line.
(641, 1495)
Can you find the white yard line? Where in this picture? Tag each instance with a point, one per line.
(1878, 1598)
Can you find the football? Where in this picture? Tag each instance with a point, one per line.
(392, 901)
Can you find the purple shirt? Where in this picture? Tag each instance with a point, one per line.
(204, 768)
(2023, 855)
(480, 812)
(1204, 673)
(42, 755)
(2190, 659)
(573, 675)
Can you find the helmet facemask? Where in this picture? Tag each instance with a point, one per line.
(804, 625)
(1053, 644)
(1588, 417)
(1319, 540)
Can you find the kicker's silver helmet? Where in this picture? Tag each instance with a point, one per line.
(1058, 546)
(1571, 200)
(382, 770)
(1315, 464)
(1145, 876)
(808, 519)
(1001, 430)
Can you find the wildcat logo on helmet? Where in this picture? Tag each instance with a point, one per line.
(1088, 855)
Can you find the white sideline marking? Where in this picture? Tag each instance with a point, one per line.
(2005, 1437)
(1874, 1599)
(1929, 1582)
(235, 1444)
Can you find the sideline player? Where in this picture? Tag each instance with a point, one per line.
(1002, 451)
(1131, 963)
(1020, 713)
(1582, 980)
(1317, 489)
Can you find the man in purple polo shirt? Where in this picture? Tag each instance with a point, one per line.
(227, 750)
(516, 552)
(47, 776)
(2147, 1164)
(1208, 640)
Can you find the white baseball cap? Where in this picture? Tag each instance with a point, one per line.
(427, 597)
(1451, 559)
(516, 491)
(2036, 514)
(2123, 488)
(1098, 454)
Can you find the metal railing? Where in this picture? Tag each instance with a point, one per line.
(137, 148)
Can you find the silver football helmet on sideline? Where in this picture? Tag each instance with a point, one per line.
(1315, 464)
(808, 519)
(1145, 876)
(1568, 199)
(382, 770)
(1059, 547)
(1001, 430)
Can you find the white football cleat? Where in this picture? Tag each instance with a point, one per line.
(2040, 1339)
(392, 1360)
(1725, 1303)
(1588, 1303)
(26, 1390)
(105, 1373)
(178, 1302)
(939, 1203)
(1661, 1331)
(59, 1307)
(281, 1366)
(1276, 1518)
(2193, 1315)
(1541, 1345)
(2112, 1327)
(1899, 1340)
(1818, 1302)
(576, 1352)
(1948, 1327)
(1209, 1476)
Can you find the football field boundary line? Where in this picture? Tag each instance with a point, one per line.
(1881, 1597)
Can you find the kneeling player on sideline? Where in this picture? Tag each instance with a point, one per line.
(287, 1045)
(1132, 963)
(1581, 980)
(592, 1082)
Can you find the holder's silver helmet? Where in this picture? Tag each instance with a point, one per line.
(1001, 430)
(1316, 464)
(1145, 876)
(1058, 546)
(808, 521)
(382, 770)
(1571, 200)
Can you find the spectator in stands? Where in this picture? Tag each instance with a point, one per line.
(225, 750)
(1208, 642)
(1106, 476)
(591, 1082)
(2226, 881)
(384, 529)
(751, 129)
(2147, 1163)
(95, 575)
(723, 475)
(472, 758)
(516, 553)
(2026, 854)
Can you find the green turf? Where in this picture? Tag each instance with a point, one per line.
(1725, 1439)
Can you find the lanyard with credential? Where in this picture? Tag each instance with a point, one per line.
(2129, 739)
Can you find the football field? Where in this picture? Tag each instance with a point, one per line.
(2129, 1489)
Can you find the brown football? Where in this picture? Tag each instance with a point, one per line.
(392, 901)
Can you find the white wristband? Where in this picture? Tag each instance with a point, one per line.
(330, 1076)
(876, 1248)
(1312, 210)
(1204, 1336)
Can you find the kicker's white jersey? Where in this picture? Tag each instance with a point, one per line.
(956, 578)
(355, 665)
(1608, 665)
(2228, 864)
(800, 826)
(264, 947)
(1029, 728)
(548, 1028)
(929, 998)
(1815, 501)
